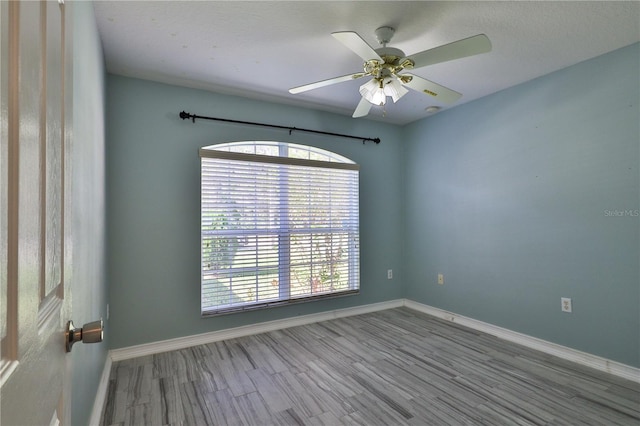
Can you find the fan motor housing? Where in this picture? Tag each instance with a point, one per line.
(391, 55)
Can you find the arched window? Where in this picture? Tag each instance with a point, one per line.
(279, 224)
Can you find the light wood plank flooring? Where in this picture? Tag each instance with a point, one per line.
(394, 367)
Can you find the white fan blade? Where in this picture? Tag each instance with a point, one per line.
(362, 109)
(360, 47)
(430, 88)
(323, 83)
(456, 50)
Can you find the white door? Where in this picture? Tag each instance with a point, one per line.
(35, 229)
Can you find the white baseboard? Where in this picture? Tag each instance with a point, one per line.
(101, 395)
(583, 358)
(247, 330)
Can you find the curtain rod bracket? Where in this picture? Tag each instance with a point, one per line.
(184, 115)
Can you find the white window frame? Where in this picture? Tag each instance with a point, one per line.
(232, 166)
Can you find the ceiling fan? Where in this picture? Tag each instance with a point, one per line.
(386, 65)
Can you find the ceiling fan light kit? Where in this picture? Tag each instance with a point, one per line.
(385, 64)
(394, 89)
(373, 91)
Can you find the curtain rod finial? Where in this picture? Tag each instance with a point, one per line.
(184, 115)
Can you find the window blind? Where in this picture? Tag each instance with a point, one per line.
(276, 229)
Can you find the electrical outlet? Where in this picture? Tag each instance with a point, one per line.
(389, 274)
(440, 279)
(565, 304)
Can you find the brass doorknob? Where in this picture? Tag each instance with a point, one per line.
(91, 332)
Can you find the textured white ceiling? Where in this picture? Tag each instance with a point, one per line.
(261, 49)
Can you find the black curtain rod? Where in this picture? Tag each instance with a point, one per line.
(185, 115)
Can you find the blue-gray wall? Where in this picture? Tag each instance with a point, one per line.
(530, 195)
(89, 284)
(153, 204)
(512, 197)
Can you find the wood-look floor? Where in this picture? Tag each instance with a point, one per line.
(393, 367)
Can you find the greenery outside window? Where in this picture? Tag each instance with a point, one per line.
(279, 224)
